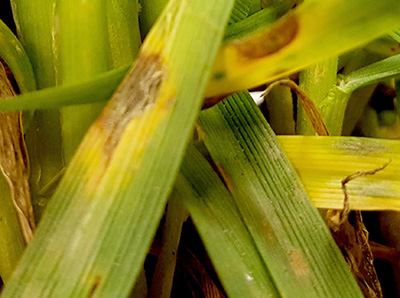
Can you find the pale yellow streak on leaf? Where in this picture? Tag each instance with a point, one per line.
(322, 163)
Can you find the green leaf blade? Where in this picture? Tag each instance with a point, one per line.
(13, 53)
(227, 240)
(293, 241)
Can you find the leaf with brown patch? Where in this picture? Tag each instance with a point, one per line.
(268, 42)
(95, 286)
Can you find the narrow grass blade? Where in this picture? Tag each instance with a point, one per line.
(322, 163)
(227, 240)
(98, 89)
(99, 225)
(314, 31)
(13, 53)
(378, 71)
(289, 233)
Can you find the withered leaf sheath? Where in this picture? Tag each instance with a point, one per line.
(14, 160)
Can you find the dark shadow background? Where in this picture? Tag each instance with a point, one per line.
(5, 14)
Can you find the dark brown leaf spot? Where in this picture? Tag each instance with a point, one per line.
(95, 286)
(270, 41)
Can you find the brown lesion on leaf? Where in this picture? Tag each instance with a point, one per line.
(299, 264)
(95, 286)
(269, 233)
(269, 41)
(138, 92)
(14, 160)
(225, 177)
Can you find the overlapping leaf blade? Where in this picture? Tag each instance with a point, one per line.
(289, 233)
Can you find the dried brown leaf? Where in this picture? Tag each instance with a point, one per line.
(351, 236)
(309, 106)
(14, 160)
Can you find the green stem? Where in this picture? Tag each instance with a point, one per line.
(81, 47)
(280, 110)
(315, 81)
(333, 109)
